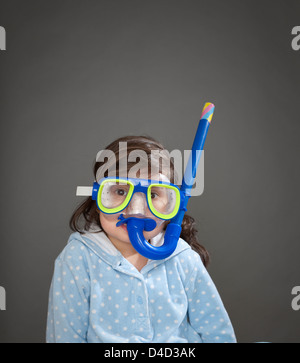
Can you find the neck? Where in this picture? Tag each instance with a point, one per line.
(128, 252)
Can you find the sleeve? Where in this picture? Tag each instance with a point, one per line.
(68, 309)
(207, 314)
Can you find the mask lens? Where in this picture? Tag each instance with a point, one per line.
(164, 200)
(114, 195)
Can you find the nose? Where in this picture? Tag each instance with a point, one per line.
(138, 204)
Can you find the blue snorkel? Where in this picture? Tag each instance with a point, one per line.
(136, 226)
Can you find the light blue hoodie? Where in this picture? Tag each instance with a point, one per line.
(96, 295)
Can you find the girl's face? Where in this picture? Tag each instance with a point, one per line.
(137, 206)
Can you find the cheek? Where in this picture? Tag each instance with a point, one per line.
(108, 223)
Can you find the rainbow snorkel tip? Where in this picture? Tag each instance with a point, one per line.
(208, 112)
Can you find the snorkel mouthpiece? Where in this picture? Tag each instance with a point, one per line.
(137, 226)
(148, 223)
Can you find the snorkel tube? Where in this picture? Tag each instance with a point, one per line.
(136, 226)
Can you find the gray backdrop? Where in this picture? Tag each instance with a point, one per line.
(78, 74)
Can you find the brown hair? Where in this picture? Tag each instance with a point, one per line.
(89, 212)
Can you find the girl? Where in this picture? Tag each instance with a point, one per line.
(104, 291)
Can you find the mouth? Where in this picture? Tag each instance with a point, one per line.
(147, 224)
(124, 226)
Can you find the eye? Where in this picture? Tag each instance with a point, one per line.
(153, 195)
(121, 192)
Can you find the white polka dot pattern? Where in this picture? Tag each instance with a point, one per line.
(98, 297)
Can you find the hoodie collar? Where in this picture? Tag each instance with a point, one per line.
(100, 244)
